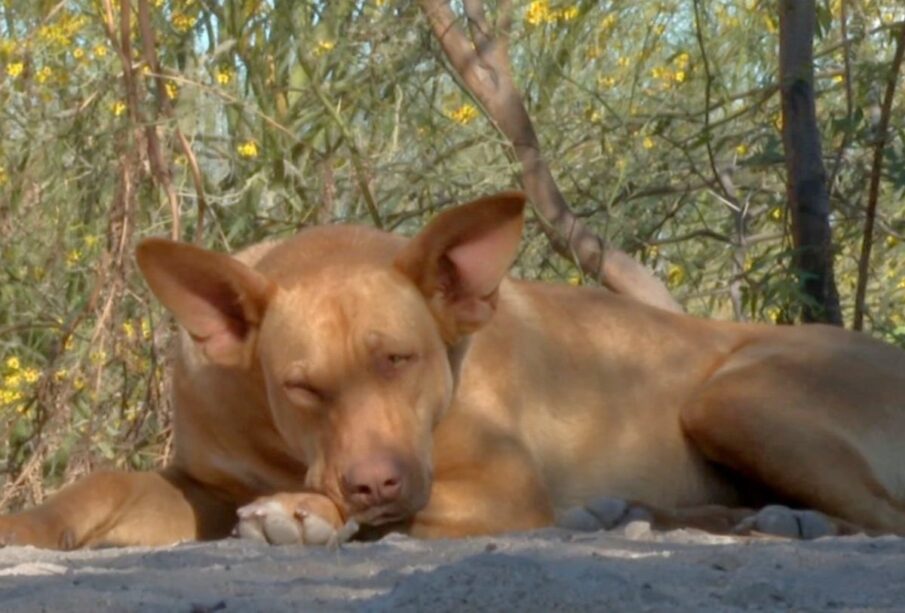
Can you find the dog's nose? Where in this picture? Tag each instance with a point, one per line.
(373, 482)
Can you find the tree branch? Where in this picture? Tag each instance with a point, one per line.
(483, 65)
(875, 171)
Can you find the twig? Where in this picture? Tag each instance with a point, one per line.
(874, 189)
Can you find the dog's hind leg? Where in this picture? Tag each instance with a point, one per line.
(120, 508)
(825, 435)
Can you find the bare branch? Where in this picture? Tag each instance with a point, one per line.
(485, 70)
(874, 190)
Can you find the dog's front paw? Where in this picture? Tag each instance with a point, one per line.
(603, 513)
(294, 518)
(777, 520)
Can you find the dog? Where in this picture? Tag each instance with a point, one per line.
(351, 377)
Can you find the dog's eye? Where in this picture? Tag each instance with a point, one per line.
(302, 393)
(400, 359)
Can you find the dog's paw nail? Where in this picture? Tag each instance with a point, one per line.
(580, 519)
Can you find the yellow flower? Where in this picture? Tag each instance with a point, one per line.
(171, 89)
(44, 74)
(31, 375)
(891, 241)
(90, 240)
(13, 381)
(773, 313)
(539, 12)
(98, 357)
(248, 149)
(78, 53)
(675, 275)
(681, 60)
(100, 50)
(118, 108)
(73, 257)
(569, 13)
(901, 284)
(10, 397)
(14, 69)
(3, 176)
(324, 46)
(224, 76)
(838, 79)
(12, 363)
(648, 142)
(608, 22)
(741, 149)
(464, 114)
(79, 384)
(60, 375)
(575, 278)
(183, 22)
(679, 76)
(776, 214)
(145, 329)
(128, 329)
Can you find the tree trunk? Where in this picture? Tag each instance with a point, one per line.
(806, 182)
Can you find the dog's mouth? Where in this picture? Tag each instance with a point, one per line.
(379, 516)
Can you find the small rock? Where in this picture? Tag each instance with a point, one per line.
(637, 530)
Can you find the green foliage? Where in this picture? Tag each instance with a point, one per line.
(318, 112)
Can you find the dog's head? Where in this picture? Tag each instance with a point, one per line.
(354, 334)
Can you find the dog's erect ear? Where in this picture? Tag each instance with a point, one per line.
(217, 299)
(460, 258)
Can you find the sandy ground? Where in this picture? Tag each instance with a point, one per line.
(549, 570)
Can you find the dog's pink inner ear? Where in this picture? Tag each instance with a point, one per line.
(459, 260)
(481, 263)
(218, 300)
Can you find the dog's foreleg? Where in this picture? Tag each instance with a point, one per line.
(120, 508)
(484, 484)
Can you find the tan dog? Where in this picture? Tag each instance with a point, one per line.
(347, 373)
